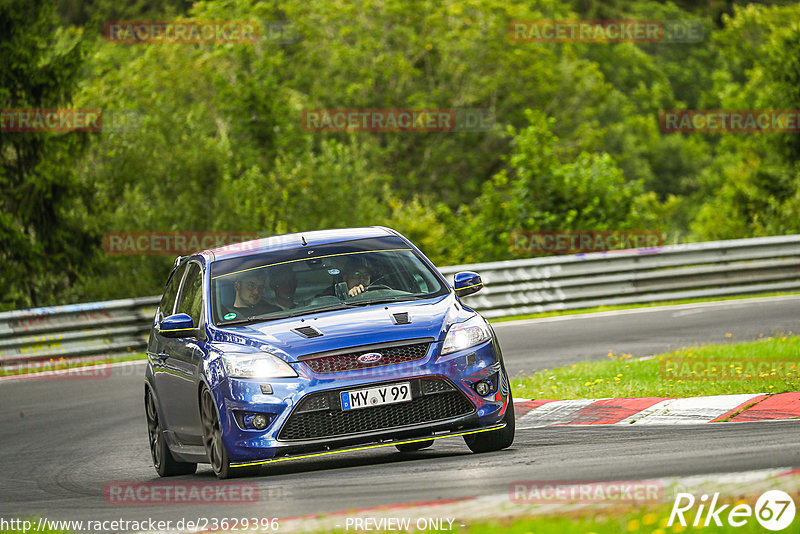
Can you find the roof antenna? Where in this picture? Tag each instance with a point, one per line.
(303, 239)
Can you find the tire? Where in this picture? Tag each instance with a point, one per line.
(212, 439)
(163, 461)
(416, 446)
(498, 439)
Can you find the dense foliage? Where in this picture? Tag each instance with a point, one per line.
(208, 137)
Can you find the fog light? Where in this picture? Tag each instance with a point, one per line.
(483, 388)
(253, 420)
(260, 422)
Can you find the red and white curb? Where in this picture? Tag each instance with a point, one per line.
(657, 410)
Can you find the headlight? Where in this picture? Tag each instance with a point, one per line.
(256, 365)
(465, 335)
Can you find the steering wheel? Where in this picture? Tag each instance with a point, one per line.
(376, 286)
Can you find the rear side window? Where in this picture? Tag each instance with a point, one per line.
(168, 299)
(191, 300)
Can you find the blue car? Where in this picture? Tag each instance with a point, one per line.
(318, 343)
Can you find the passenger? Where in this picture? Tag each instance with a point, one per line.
(250, 300)
(283, 282)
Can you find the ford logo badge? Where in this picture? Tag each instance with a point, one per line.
(370, 357)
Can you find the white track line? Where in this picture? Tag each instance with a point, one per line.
(690, 410)
(553, 413)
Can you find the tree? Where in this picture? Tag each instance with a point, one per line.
(752, 187)
(542, 192)
(43, 242)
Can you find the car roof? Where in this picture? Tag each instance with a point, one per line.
(284, 241)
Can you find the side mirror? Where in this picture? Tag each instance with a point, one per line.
(178, 325)
(466, 283)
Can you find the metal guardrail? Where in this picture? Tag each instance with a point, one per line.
(711, 269)
(696, 270)
(95, 328)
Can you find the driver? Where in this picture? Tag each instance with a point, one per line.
(249, 301)
(357, 275)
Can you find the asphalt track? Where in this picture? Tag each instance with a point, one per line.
(64, 440)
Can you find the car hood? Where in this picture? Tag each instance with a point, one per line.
(348, 328)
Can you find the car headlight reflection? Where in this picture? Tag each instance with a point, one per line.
(256, 365)
(464, 335)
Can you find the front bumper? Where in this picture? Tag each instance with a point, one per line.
(461, 370)
(384, 443)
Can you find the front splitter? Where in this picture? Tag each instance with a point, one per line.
(368, 447)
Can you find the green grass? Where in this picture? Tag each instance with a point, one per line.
(622, 375)
(62, 363)
(650, 519)
(581, 311)
(612, 519)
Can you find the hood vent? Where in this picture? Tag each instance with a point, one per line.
(401, 318)
(307, 331)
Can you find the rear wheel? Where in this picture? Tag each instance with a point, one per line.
(497, 439)
(416, 446)
(212, 439)
(163, 461)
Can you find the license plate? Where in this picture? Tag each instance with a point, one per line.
(366, 398)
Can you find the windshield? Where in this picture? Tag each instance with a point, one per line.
(310, 279)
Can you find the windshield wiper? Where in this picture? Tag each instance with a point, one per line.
(271, 317)
(334, 307)
(240, 322)
(387, 299)
(341, 306)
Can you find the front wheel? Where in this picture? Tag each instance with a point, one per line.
(163, 461)
(212, 439)
(497, 439)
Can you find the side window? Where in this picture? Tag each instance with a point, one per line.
(171, 291)
(191, 299)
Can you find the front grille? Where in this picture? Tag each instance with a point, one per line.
(435, 386)
(337, 363)
(432, 400)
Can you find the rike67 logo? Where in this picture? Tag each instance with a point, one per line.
(774, 510)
